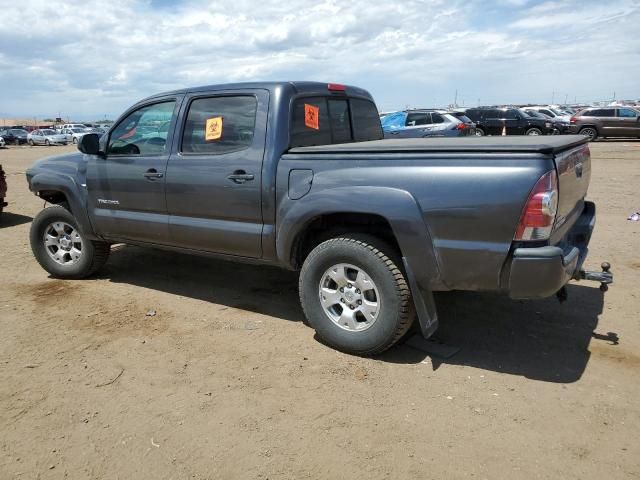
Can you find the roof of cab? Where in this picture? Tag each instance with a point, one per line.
(296, 86)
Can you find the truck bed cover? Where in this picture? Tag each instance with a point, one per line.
(517, 144)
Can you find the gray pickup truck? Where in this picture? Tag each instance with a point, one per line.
(296, 174)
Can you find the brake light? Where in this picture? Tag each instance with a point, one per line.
(539, 213)
(573, 120)
(336, 87)
(461, 126)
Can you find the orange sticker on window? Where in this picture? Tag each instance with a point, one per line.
(311, 114)
(213, 129)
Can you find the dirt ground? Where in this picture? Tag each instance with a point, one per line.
(225, 381)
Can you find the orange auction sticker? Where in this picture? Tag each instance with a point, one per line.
(311, 114)
(213, 129)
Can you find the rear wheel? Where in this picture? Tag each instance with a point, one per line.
(479, 132)
(534, 131)
(354, 294)
(75, 140)
(590, 132)
(61, 249)
(31, 142)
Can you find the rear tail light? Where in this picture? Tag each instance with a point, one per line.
(539, 213)
(573, 120)
(461, 126)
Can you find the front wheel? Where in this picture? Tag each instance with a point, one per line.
(61, 249)
(534, 131)
(75, 140)
(355, 296)
(47, 143)
(479, 132)
(31, 142)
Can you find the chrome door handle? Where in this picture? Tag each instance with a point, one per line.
(240, 176)
(153, 173)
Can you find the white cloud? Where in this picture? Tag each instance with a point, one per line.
(89, 58)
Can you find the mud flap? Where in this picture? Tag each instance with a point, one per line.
(424, 302)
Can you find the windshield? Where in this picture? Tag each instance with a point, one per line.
(17, 131)
(523, 113)
(560, 113)
(77, 130)
(533, 113)
(48, 132)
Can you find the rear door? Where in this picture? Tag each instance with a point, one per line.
(493, 122)
(609, 124)
(629, 122)
(214, 174)
(127, 187)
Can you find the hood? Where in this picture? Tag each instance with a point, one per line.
(67, 164)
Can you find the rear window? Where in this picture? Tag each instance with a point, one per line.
(329, 120)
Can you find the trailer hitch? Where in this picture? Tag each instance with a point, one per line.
(605, 277)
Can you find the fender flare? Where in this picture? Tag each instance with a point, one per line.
(76, 197)
(397, 206)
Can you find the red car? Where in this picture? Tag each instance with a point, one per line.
(3, 189)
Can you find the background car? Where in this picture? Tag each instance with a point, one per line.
(605, 122)
(74, 135)
(2, 143)
(493, 120)
(424, 123)
(559, 126)
(16, 136)
(46, 137)
(3, 189)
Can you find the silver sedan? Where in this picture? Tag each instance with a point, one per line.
(46, 137)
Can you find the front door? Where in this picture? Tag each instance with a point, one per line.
(127, 186)
(214, 173)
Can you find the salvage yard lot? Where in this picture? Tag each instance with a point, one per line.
(171, 366)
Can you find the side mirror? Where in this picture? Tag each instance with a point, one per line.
(89, 144)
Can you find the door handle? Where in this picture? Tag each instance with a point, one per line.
(240, 176)
(153, 173)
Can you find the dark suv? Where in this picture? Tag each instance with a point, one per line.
(491, 121)
(603, 122)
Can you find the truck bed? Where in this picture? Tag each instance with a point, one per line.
(522, 144)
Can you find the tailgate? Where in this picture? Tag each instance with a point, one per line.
(574, 172)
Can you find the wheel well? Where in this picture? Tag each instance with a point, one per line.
(53, 196)
(582, 127)
(331, 225)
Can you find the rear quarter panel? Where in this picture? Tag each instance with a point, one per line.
(467, 205)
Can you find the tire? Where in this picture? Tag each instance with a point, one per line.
(387, 289)
(75, 140)
(590, 132)
(31, 142)
(533, 131)
(480, 132)
(47, 143)
(92, 256)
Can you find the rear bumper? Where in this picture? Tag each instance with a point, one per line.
(541, 271)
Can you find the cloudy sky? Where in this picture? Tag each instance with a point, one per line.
(89, 59)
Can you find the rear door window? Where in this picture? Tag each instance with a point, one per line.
(218, 125)
(418, 118)
(511, 115)
(437, 118)
(601, 112)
